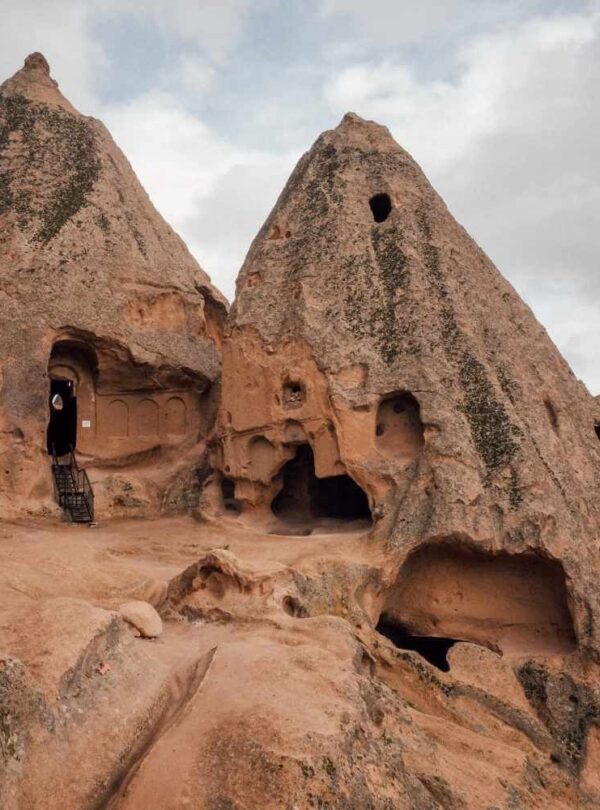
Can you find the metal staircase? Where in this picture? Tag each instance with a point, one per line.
(73, 488)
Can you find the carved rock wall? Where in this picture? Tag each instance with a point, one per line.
(370, 325)
(88, 268)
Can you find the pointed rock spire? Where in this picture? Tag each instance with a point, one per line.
(34, 82)
(368, 324)
(85, 255)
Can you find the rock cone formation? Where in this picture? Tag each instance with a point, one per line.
(390, 599)
(370, 332)
(97, 291)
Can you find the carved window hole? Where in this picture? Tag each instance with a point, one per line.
(381, 206)
(293, 395)
(230, 502)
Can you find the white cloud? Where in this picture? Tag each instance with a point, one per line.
(59, 29)
(175, 154)
(215, 194)
(195, 74)
(511, 143)
(214, 26)
(225, 222)
(402, 20)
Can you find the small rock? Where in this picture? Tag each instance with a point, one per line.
(143, 617)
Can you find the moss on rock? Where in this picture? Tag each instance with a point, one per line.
(65, 146)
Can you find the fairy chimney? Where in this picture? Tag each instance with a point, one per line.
(102, 305)
(377, 368)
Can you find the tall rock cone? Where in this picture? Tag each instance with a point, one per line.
(98, 294)
(378, 367)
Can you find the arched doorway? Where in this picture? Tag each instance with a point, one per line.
(62, 427)
(306, 499)
(72, 370)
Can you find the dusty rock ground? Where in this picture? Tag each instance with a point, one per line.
(268, 686)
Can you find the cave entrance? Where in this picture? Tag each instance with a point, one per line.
(431, 648)
(514, 604)
(62, 426)
(306, 499)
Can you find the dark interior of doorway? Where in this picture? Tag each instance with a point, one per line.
(305, 499)
(62, 427)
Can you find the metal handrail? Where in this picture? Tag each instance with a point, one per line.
(82, 488)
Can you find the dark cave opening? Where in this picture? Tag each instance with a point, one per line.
(597, 429)
(381, 205)
(432, 649)
(306, 498)
(230, 503)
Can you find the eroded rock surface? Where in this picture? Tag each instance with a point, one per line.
(269, 686)
(378, 367)
(96, 292)
(390, 597)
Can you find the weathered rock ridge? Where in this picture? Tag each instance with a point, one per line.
(94, 282)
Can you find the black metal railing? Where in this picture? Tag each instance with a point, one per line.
(73, 488)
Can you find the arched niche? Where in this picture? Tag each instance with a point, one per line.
(174, 417)
(145, 418)
(262, 457)
(117, 419)
(398, 427)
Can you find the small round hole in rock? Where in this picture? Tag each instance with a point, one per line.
(293, 607)
(381, 205)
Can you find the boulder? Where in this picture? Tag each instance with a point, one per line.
(143, 617)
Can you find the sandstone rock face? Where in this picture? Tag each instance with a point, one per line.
(99, 297)
(143, 617)
(377, 366)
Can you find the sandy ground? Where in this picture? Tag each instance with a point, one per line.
(254, 705)
(123, 559)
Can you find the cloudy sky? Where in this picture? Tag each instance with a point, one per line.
(213, 102)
